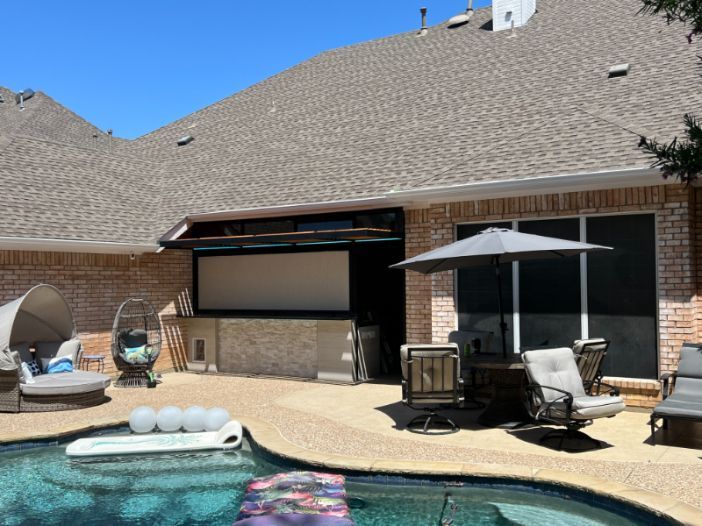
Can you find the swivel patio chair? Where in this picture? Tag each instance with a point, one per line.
(136, 342)
(557, 396)
(682, 390)
(431, 380)
(590, 355)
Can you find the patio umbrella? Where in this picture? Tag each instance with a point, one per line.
(493, 247)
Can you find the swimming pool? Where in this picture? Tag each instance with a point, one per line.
(42, 486)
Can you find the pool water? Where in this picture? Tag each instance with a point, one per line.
(43, 486)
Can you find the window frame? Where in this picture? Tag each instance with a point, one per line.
(584, 313)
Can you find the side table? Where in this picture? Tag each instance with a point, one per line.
(87, 359)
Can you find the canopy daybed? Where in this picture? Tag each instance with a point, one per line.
(42, 319)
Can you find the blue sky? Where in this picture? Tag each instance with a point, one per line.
(136, 65)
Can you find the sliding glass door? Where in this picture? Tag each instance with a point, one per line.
(477, 293)
(549, 290)
(609, 294)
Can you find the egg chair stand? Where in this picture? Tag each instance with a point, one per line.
(136, 343)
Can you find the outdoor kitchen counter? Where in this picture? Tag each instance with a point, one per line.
(323, 349)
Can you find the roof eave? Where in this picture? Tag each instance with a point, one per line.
(74, 245)
(577, 182)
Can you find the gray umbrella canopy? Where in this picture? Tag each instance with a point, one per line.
(493, 244)
(493, 247)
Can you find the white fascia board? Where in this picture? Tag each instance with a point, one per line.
(553, 184)
(71, 245)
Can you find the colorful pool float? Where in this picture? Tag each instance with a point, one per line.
(301, 497)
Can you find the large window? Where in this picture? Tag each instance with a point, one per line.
(477, 293)
(621, 292)
(609, 294)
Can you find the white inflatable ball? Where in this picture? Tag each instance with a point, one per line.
(216, 418)
(194, 418)
(169, 419)
(142, 419)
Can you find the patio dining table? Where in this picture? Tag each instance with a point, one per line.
(507, 407)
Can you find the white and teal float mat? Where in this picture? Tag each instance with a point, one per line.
(228, 437)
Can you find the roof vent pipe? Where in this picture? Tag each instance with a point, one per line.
(463, 18)
(424, 30)
(109, 140)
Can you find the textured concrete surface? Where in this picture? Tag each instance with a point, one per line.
(361, 427)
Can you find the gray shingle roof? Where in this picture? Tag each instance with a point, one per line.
(406, 112)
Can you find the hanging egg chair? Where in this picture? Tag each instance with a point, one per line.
(136, 342)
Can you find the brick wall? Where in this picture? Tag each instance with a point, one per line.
(96, 284)
(676, 208)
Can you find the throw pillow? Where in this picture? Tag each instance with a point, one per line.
(136, 354)
(70, 348)
(44, 352)
(34, 368)
(60, 364)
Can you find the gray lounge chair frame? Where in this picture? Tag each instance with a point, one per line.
(567, 404)
(682, 390)
(432, 380)
(136, 323)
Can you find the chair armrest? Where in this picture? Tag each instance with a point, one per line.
(608, 388)
(666, 384)
(566, 397)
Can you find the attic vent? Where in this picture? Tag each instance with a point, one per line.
(22, 96)
(2, 99)
(463, 18)
(620, 70)
(183, 141)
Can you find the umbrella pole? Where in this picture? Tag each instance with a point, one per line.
(503, 325)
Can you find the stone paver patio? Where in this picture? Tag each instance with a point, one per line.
(362, 427)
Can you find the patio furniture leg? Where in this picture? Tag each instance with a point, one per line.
(423, 423)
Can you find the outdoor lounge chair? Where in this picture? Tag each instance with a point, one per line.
(682, 390)
(136, 342)
(557, 396)
(589, 355)
(42, 319)
(431, 379)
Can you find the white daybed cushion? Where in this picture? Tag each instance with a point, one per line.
(66, 383)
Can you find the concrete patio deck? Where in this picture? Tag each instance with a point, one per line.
(361, 427)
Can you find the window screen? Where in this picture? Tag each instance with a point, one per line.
(622, 293)
(477, 294)
(549, 290)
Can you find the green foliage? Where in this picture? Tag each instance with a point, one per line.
(687, 11)
(680, 159)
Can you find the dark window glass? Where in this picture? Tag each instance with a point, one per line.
(549, 290)
(268, 227)
(199, 350)
(324, 225)
(387, 221)
(622, 293)
(477, 294)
